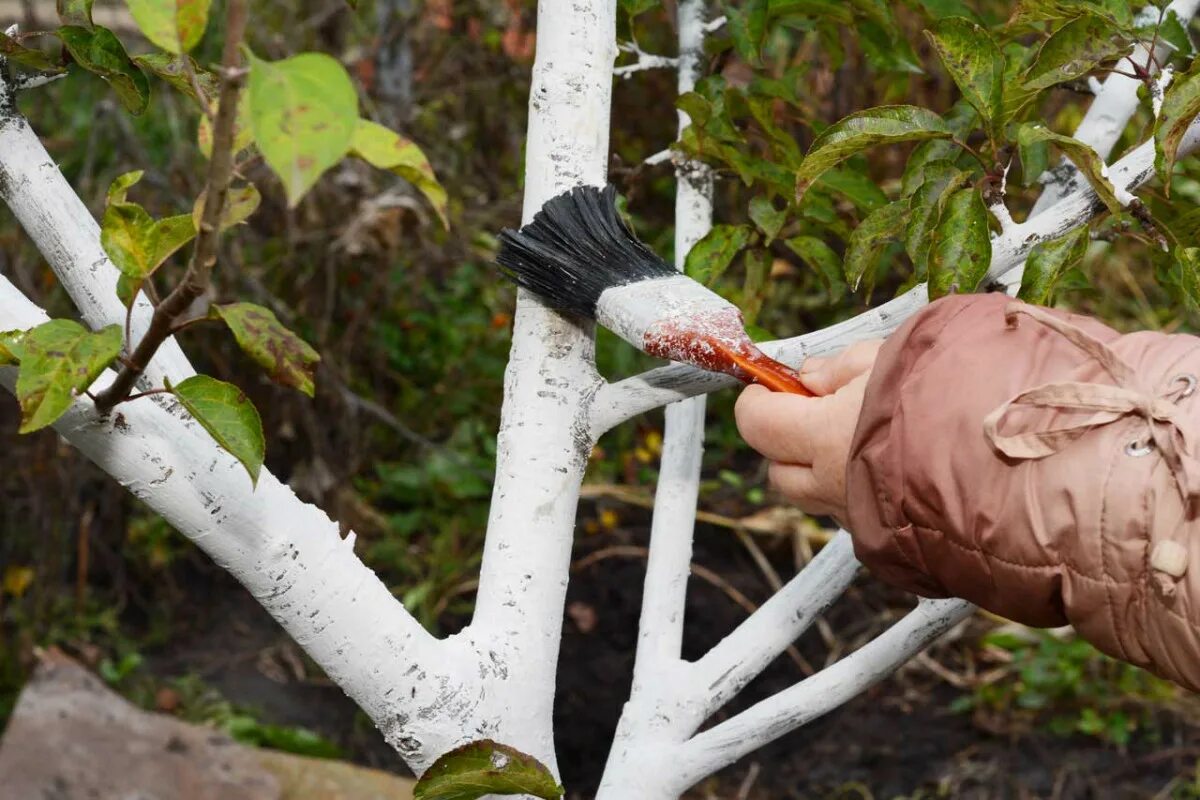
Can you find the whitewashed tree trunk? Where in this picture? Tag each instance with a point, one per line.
(496, 678)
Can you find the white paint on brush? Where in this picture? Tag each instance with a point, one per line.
(630, 311)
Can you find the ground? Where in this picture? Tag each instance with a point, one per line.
(900, 740)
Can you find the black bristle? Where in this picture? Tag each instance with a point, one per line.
(576, 247)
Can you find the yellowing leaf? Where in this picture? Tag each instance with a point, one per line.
(485, 767)
(287, 358)
(974, 61)
(60, 359)
(243, 133)
(229, 417)
(861, 130)
(240, 203)
(304, 113)
(383, 148)
(174, 25)
(136, 242)
(174, 70)
(17, 580)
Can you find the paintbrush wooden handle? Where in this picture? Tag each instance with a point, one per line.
(770, 373)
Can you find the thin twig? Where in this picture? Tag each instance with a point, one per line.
(204, 253)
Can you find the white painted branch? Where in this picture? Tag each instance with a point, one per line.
(819, 694)
(69, 238)
(752, 646)
(624, 399)
(287, 553)
(645, 61)
(544, 440)
(650, 715)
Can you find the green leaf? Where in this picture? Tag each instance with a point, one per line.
(754, 288)
(707, 261)
(961, 251)
(486, 767)
(1035, 159)
(174, 70)
(975, 63)
(385, 149)
(240, 204)
(174, 25)
(128, 288)
(286, 357)
(820, 256)
(229, 417)
(137, 243)
(748, 27)
(60, 359)
(857, 187)
(885, 50)
(830, 10)
(1188, 259)
(1074, 50)
(924, 155)
(857, 132)
(303, 112)
(1048, 261)
(926, 205)
(1181, 104)
(766, 217)
(98, 50)
(10, 348)
(75, 12)
(18, 53)
(869, 239)
(1082, 156)
(1116, 12)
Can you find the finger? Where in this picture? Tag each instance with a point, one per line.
(827, 375)
(780, 426)
(800, 485)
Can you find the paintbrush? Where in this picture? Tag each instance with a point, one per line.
(579, 256)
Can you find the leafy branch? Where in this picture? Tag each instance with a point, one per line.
(204, 255)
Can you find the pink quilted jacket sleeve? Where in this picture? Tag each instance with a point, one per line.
(1042, 466)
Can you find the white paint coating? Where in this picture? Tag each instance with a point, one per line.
(631, 310)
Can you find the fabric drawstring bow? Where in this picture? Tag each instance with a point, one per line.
(1168, 559)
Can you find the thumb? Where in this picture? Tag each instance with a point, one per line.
(826, 375)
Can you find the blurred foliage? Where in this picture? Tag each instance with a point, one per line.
(412, 323)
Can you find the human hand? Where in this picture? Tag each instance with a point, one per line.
(807, 439)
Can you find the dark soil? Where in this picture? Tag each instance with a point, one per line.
(897, 741)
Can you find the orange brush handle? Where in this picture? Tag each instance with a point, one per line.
(770, 373)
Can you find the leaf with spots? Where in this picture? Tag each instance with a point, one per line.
(98, 50)
(961, 250)
(1074, 50)
(303, 113)
(769, 219)
(227, 414)
(240, 204)
(881, 227)
(287, 358)
(175, 71)
(17, 53)
(711, 256)
(75, 12)
(385, 149)
(1086, 159)
(136, 242)
(857, 132)
(1181, 104)
(60, 359)
(1049, 261)
(243, 132)
(975, 63)
(10, 348)
(942, 180)
(483, 768)
(820, 256)
(174, 25)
